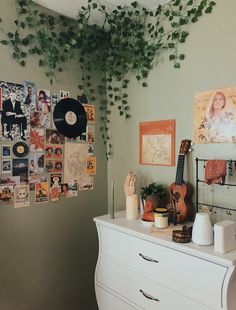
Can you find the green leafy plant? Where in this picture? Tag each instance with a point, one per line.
(160, 190)
(129, 40)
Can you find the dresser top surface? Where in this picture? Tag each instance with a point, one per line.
(164, 237)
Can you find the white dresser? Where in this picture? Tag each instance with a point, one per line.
(142, 268)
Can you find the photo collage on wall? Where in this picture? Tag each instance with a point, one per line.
(35, 156)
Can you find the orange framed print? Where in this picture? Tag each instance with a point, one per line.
(157, 143)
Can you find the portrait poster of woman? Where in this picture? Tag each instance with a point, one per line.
(215, 116)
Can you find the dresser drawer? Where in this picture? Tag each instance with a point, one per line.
(141, 290)
(182, 272)
(107, 301)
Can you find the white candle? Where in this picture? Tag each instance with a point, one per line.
(132, 207)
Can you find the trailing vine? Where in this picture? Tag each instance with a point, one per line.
(129, 40)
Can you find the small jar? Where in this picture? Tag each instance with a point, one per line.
(161, 217)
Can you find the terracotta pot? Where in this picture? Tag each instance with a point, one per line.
(151, 202)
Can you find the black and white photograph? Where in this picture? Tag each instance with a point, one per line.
(15, 115)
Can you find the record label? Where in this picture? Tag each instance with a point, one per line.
(20, 149)
(70, 117)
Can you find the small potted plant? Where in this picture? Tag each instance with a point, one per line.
(153, 196)
(160, 191)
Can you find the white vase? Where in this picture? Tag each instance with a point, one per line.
(202, 229)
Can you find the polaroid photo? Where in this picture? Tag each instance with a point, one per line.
(6, 151)
(64, 94)
(6, 166)
(54, 98)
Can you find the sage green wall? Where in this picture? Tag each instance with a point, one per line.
(210, 64)
(48, 252)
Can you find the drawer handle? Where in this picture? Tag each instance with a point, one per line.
(148, 258)
(148, 296)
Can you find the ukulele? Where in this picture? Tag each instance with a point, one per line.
(180, 191)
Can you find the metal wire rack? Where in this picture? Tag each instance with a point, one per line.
(210, 206)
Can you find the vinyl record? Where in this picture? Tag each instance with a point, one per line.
(70, 117)
(20, 149)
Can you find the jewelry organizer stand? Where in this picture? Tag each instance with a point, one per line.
(211, 207)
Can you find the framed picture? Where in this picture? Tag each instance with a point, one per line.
(157, 143)
(215, 116)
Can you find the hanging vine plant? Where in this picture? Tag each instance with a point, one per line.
(129, 40)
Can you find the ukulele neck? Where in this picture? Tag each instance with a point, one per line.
(180, 170)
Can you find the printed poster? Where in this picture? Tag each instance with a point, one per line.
(56, 179)
(9, 180)
(15, 115)
(72, 188)
(6, 194)
(75, 163)
(41, 192)
(55, 193)
(91, 165)
(65, 190)
(21, 196)
(29, 94)
(20, 168)
(36, 140)
(36, 163)
(157, 143)
(215, 116)
(86, 183)
(90, 111)
(54, 137)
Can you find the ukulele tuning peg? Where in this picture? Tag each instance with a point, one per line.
(192, 143)
(190, 150)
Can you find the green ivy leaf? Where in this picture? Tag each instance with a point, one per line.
(124, 43)
(4, 42)
(177, 65)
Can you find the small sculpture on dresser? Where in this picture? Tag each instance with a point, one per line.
(131, 197)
